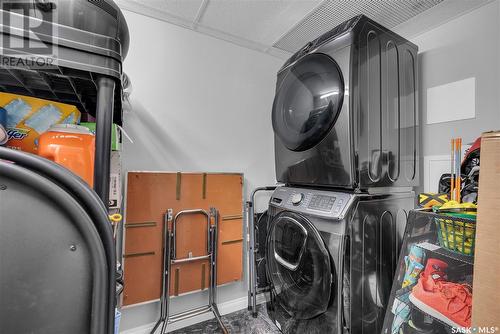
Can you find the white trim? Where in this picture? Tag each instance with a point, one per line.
(140, 304)
(430, 181)
(224, 308)
(179, 295)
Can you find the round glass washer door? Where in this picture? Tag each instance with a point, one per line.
(308, 102)
(298, 266)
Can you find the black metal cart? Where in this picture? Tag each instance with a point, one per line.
(71, 52)
(57, 254)
(423, 242)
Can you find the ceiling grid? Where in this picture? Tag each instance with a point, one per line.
(200, 13)
(281, 27)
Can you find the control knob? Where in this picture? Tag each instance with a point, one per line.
(297, 198)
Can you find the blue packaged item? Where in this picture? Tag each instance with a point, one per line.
(118, 316)
(44, 118)
(3, 126)
(70, 120)
(17, 110)
(401, 311)
(414, 265)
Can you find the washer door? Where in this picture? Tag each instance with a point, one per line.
(298, 266)
(308, 102)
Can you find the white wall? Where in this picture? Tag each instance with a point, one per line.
(465, 47)
(199, 104)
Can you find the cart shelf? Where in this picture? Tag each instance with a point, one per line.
(59, 84)
(72, 58)
(402, 296)
(446, 327)
(69, 52)
(421, 231)
(438, 250)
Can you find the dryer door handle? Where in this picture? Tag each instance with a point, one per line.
(281, 260)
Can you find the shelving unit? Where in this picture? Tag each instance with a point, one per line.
(443, 252)
(421, 231)
(70, 52)
(57, 83)
(445, 327)
(83, 68)
(402, 294)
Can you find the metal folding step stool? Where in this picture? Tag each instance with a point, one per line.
(253, 289)
(170, 257)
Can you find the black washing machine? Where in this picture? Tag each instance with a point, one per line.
(331, 257)
(345, 110)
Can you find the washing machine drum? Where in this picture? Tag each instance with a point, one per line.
(299, 266)
(308, 102)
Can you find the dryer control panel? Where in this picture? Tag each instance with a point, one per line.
(319, 202)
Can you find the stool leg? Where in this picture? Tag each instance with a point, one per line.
(156, 326)
(165, 284)
(167, 287)
(218, 317)
(213, 276)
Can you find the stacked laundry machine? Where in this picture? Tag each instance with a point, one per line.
(345, 119)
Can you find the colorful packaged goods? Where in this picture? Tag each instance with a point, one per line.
(29, 117)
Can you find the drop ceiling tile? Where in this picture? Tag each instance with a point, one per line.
(260, 21)
(185, 9)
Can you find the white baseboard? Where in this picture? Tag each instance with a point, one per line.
(224, 308)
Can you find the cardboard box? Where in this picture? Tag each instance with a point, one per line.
(486, 297)
(115, 134)
(115, 181)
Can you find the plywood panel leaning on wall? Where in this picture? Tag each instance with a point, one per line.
(149, 196)
(486, 296)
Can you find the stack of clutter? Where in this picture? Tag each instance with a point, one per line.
(461, 184)
(455, 234)
(54, 131)
(434, 292)
(436, 295)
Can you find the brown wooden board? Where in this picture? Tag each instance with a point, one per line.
(149, 196)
